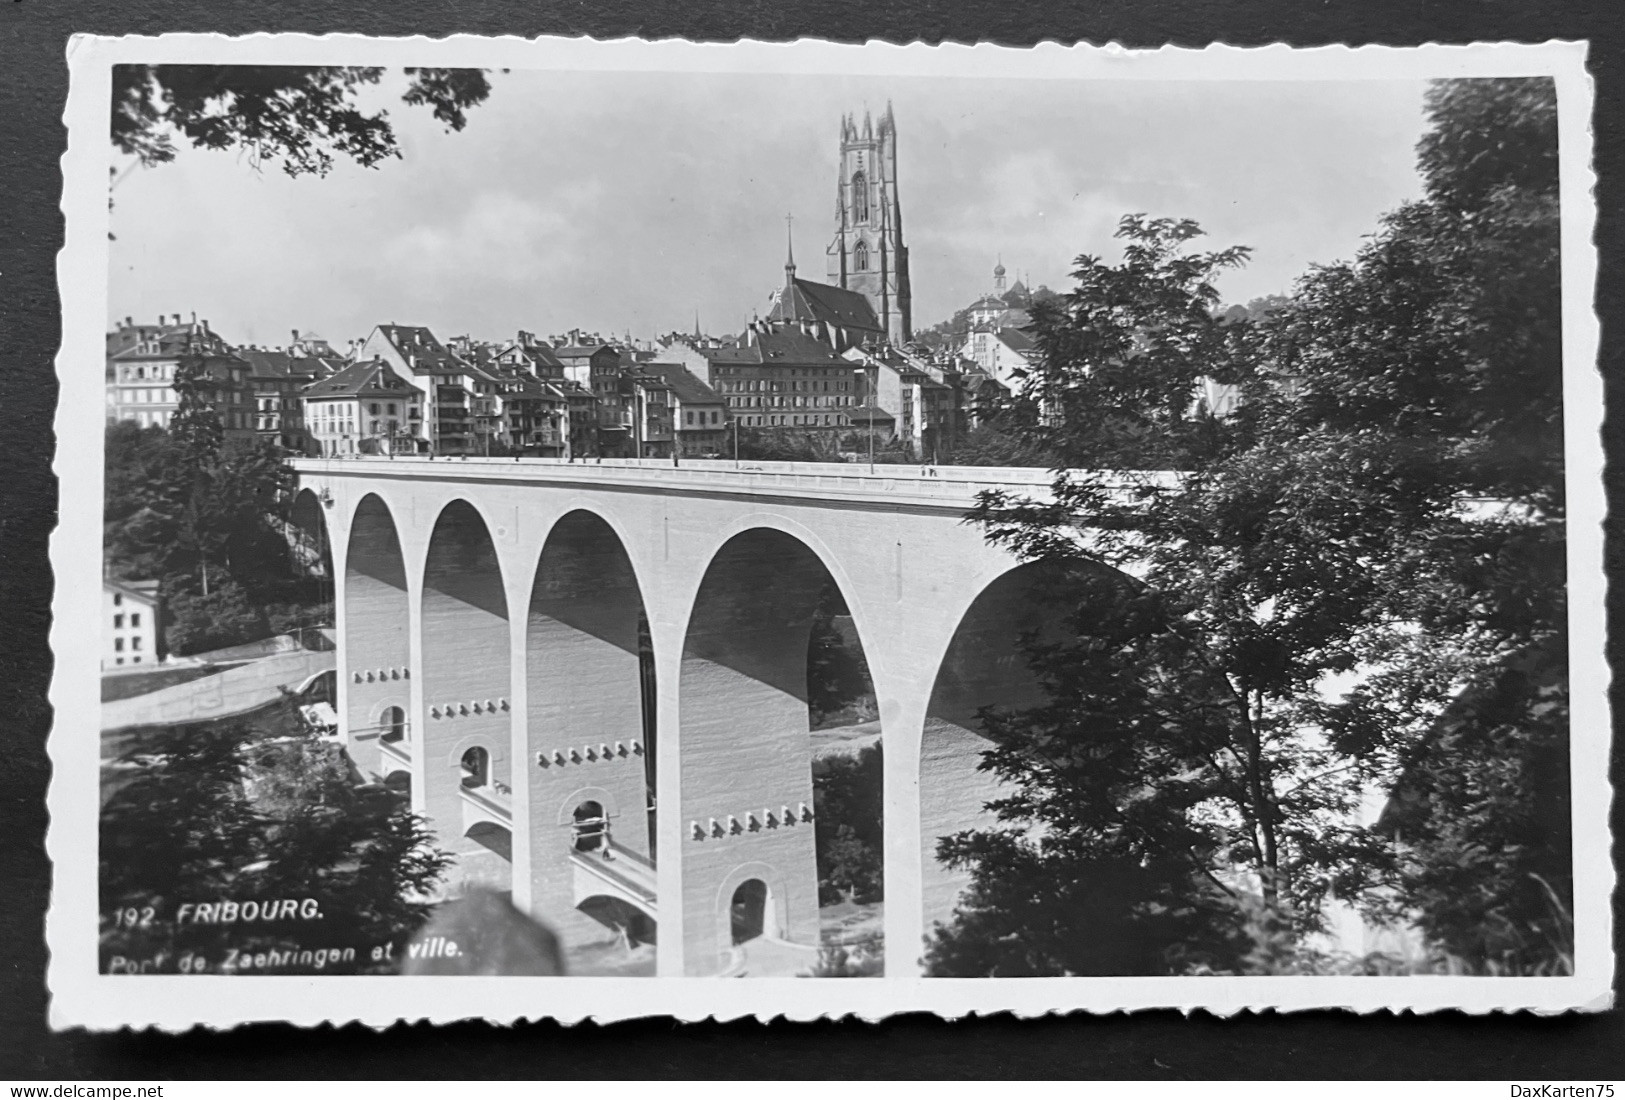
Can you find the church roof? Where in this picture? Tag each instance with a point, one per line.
(803, 300)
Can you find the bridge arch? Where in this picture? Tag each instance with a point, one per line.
(590, 706)
(984, 665)
(466, 662)
(747, 709)
(377, 632)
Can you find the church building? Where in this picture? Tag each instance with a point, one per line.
(867, 254)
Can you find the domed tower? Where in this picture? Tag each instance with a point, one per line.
(868, 254)
(998, 278)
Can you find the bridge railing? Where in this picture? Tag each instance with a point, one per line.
(944, 485)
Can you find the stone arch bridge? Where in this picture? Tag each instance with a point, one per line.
(592, 678)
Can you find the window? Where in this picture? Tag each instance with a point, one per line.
(117, 599)
(392, 408)
(118, 621)
(118, 646)
(860, 199)
(860, 257)
(135, 643)
(135, 618)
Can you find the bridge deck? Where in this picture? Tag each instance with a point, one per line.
(936, 487)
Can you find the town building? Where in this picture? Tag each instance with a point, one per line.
(981, 397)
(781, 378)
(142, 363)
(1002, 307)
(698, 415)
(539, 416)
(648, 412)
(443, 380)
(1004, 354)
(923, 409)
(867, 254)
(596, 368)
(278, 378)
(131, 623)
(578, 428)
(367, 408)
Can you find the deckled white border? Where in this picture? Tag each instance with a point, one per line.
(80, 996)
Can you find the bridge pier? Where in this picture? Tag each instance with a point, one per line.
(373, 598)
(467, 733)
(587, 755)
(744, 697)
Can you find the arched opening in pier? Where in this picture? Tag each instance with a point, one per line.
(781, 756)
(465, 694)
(377, 653)
(589, 667)
(748, 911)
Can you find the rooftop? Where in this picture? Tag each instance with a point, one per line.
(365, 379)
(803, 300)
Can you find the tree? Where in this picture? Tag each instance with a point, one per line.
(849, 804)
(837, 675)
(299, 116)
(1325, 530)
(201, 515)
(207, 814)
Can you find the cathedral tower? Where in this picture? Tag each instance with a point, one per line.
(868, 254)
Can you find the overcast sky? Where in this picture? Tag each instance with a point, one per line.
(627, 201)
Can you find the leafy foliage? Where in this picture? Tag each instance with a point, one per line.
(1052, 910)
(848, 961)
(1383, 511)
(199, 516)
(302, 117)
(838, 683)
(849, 804)
(208, 814)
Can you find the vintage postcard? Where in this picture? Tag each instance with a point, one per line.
(602, 529)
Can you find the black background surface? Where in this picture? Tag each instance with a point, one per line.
(33, 92)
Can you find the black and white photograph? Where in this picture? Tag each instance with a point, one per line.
(626, 514)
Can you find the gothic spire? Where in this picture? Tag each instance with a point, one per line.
(789, 250)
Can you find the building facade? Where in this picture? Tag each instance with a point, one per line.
(1003, 354)
(366, 408)
(131, 626)
(277, 379)
(698, 415)
(144, 360)
(447, 392)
